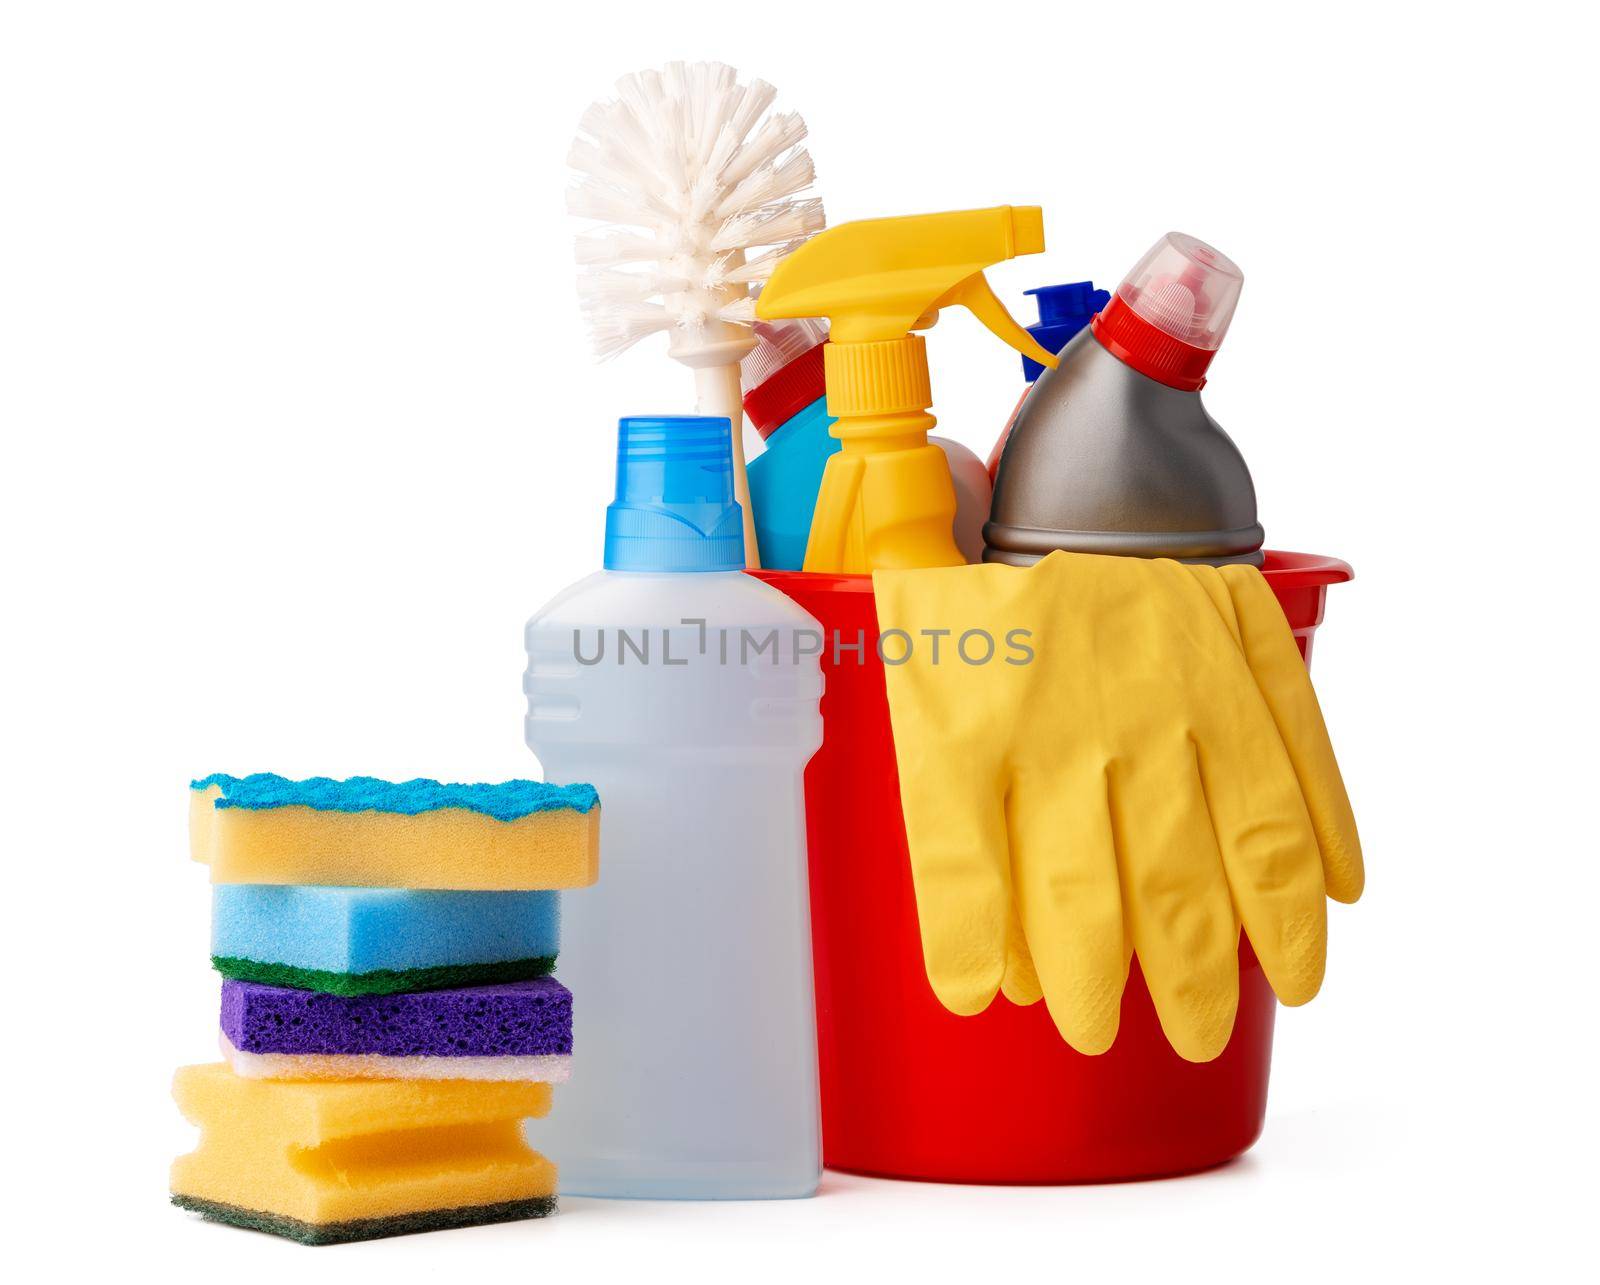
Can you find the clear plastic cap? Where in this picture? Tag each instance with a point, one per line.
(1186, 289)
(777, 344)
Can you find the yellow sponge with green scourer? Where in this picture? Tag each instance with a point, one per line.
(337, 1160)
(364, 832)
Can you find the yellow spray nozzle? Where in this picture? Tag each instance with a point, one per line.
(886, 498)
(883, 278)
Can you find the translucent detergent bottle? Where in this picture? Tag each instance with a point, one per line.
(687, 693)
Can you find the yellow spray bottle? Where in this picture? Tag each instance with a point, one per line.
(886, 500)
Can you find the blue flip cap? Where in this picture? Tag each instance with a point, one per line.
(674, 509)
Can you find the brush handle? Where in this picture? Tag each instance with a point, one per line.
(717, 392)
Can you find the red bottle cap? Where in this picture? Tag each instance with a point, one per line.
(786, 392)
(1170, 313)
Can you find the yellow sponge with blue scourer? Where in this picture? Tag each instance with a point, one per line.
(364, 832)
(339, 1160)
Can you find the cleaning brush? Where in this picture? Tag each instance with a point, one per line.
(698, 187)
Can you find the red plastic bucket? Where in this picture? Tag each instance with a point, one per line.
(910, 1090)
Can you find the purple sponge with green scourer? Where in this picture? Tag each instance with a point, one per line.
(516, 1031)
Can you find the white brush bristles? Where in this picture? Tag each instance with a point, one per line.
(698, 185)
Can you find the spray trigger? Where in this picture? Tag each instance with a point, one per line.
(977, 296)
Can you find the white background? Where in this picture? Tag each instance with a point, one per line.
(299, 426)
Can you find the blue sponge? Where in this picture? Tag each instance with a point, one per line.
(363, 941)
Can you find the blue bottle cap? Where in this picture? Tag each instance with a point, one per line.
(1063, 311)
(674, 509)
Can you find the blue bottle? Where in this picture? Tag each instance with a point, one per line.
(785, 401)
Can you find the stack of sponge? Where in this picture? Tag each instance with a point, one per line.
(388, 1019)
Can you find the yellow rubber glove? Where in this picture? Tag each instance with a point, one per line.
(1257, 621)
(1113, 779)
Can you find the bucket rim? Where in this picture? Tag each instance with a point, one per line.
(1283, 568)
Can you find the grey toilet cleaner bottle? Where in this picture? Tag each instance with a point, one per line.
(1113, 451)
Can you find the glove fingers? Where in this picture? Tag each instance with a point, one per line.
(956, 836)
(1285, 685)
(951, 722)
(1179, 913)
(1258, 805)
(1020, 981)
(1268, 850)
(1064, 874)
